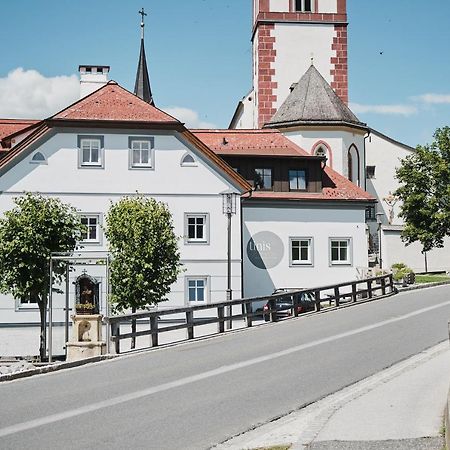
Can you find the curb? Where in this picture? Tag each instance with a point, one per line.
(422, 286)
(447, 422)
(53, 368)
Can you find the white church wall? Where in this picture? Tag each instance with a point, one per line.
(385, 155)
(316, 222)
(194, 190)
(297, 58)
(338, 141)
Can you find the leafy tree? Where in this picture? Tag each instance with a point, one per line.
(145, 257)
(36, 227)
(425, 192)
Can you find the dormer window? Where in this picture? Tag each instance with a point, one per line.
(304, 5)
(297, 180)
(91, 151)
(262, 179)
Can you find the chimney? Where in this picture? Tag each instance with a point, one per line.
(92, 78)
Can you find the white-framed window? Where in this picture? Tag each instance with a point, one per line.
(301, 251)
(196, 228)
(141, 152)
(297, 180)
(91, 151)
(340, 251)
(304, 5)
(197, 289)
(188, 160)
(38, 158)
(92, 232)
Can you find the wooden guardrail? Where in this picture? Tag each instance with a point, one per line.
(340, 293)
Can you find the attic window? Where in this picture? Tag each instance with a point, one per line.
(38, 158)
(188, 161)
(370, 172)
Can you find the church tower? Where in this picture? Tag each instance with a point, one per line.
(287, 36)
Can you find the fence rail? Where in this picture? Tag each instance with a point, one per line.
(340, 293)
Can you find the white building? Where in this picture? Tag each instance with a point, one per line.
(111, 144)
(300, 87)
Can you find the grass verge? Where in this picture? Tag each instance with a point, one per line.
(430, 278)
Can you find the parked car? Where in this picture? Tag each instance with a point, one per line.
(284, 306)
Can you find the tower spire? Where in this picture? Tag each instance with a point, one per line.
(142, 86)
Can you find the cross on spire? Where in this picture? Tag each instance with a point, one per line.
(143, 14)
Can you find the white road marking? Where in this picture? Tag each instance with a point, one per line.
(24, 426)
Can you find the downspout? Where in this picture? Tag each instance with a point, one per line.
(365, 161)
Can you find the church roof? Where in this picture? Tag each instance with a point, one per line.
(114, 103)
(249, 143)
(142, 85)
(313, 102)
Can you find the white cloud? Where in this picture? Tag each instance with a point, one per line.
(28, 94)
(401, 110)
(433, 99)
(188, 116)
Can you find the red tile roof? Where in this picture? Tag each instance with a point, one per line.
(249, 142)
(114, 103)
(11, 126)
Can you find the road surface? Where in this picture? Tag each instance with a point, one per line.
(195, 395)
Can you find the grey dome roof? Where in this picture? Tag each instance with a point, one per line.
(313, 101)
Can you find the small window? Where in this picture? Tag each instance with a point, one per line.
(371, 214)
(370, 171)
(91, 151)
(340, 251)
(297, 180)
(301, 251)
(263, 179)
(196, 228)
(38, 158)
(92, 232)
(196, 289)
(188, 160)
(141, 153)
(304, 5)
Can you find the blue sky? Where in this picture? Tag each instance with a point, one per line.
(199, 57)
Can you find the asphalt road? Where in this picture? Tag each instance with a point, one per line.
(195, 395)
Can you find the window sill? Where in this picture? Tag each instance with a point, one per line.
(141, 168)
(301, 264)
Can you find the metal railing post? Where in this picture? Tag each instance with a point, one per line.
(221, 319)
(154, 329)
(248, 314)
(337, 296)
(354, 293)
(317, 298)
(190, 324)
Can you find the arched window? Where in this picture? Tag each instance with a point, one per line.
(321, 148)
(38, 158)
(188, 160)
(353, 165)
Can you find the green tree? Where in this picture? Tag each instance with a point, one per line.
(36, 227)
(425, 192)
(144, 249)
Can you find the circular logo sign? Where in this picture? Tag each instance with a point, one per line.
(265, 250)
